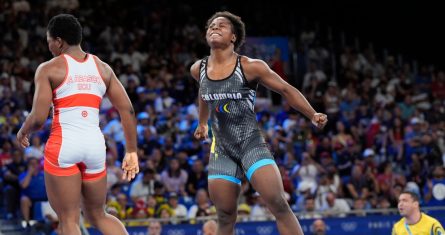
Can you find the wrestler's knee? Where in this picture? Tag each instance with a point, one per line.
(226, 216)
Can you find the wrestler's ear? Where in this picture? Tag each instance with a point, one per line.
(233, 40)
(59, 42)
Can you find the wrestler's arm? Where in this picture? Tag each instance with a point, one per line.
(120, 100)
(203, 115)
(41, 104)
(258, 69)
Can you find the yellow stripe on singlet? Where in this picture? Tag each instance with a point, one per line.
(212, 148)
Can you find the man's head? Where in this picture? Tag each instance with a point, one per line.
(318, 227)
(209, 228)
(154, 228)
(408, 203)
(34, 165)
(309, 204)
(438, 173)
(173, 199)
(63, 30)
(149, 175)
(237, 27)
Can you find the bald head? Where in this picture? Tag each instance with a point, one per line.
(209, 228)
(319, 227)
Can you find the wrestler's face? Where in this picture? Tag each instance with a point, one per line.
(220, 33)
(54, 44)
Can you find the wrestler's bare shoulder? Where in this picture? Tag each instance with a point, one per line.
(104, 69)
(247, 61)
(55, 67)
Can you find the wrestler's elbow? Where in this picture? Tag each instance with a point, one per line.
(285, 91)
(125, 108)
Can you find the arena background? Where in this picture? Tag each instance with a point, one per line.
(392, 111)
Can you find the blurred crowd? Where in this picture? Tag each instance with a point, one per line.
(385, 132)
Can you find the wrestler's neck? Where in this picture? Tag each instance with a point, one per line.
(220, 56)
(414, 218)
(74, 51)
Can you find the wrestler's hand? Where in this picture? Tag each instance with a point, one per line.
(319, 120)
(202, 132)
(130, 165)
(22, 139)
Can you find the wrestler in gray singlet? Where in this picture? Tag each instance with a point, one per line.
(238, 148)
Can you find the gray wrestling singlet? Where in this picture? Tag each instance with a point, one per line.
(238, 148)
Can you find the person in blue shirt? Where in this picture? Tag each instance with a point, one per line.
(32, 183)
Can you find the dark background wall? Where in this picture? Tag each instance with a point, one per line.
(411, 28)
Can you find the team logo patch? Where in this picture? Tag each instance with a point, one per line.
(84, 113)
(224, 108)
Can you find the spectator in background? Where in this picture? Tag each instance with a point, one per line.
(5, 153)
(36, 149)
(288, 186)
(278, 66)
(163, 102)
(174, 178)
(318, 227)
(309, 209)
(433, 190)
(143, 186)
(313, 74)
(139, 210)
(202, 203)
(413, 138)
(11, 183)
(32, 183)
(327, 184)
(243, 212)
(259, 211)
(114, 173)
(152, 205)
(197, 178)
(335, 206)
(155, 228)
(114, 130)
(179, 210)
(143, 124)
(50, 217)
(438, 86)
(359, 206)
(407, 107)
(384, 204)
(342, 138)
(165, 213)
(209, 227)
(122, 206)
(149, 141)
(308, 173)
(361, 184)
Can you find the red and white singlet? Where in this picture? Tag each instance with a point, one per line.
(76, 143)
